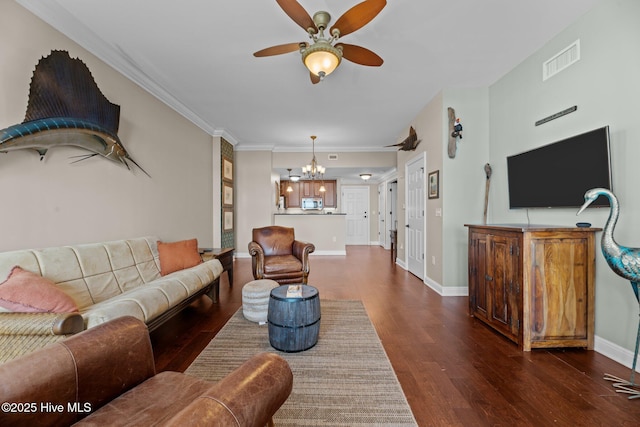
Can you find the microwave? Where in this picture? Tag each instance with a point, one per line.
(311, 203)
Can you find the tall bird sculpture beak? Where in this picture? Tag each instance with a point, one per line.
(587, 203)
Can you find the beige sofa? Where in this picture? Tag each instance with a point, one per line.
(105, 280)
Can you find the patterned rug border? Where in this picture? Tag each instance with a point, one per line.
(346, 379)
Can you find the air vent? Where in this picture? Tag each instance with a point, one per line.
(561, 61)
(332, 157)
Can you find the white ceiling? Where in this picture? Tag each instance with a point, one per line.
(196, 55)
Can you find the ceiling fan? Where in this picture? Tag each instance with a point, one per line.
(323, 55)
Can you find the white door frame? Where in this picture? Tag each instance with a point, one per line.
(392, 206)
(383, 234)
(422, 158)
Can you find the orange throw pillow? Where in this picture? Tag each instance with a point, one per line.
(27, 292)
(176, 256)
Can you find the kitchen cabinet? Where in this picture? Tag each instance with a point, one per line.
(309, 189)
(292, 198)
(330, 198)
(534, 284)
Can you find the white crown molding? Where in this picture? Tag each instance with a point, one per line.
(246, 147)
(55, 15)
(325, 149)
(391, 174)
(221, 133)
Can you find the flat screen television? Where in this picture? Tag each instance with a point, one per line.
(558, 174)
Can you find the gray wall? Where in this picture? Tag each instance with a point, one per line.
(499, 121)
(462, 184)
(605, 85)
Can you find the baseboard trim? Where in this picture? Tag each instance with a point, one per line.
(401, 264)
(325, 253)
(447, 291)
(615, 352)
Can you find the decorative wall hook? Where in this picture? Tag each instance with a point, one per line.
(455, 132)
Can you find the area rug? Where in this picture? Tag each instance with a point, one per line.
(346, 379)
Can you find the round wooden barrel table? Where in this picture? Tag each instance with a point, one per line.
(294, 322)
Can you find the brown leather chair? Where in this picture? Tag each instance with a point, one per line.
(277, 255)
(106, 376)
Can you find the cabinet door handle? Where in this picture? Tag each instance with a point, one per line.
(488, 278)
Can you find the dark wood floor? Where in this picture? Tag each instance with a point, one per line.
(453, 370)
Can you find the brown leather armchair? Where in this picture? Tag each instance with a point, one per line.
(277, 255)
(106, 376)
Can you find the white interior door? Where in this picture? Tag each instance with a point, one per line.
(415, 225)
(355, 202)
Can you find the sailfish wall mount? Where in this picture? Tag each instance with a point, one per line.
(66, 108)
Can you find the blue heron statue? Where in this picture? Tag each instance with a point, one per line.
(625, 262)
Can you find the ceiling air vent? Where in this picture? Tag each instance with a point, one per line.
(332, 157)
(562, 60)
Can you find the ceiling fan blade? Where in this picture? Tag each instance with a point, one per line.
(314, 79)
(279, 50)
(358, 16)
(298, 14)
(360, 55)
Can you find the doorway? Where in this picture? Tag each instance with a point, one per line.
(387, 203)
(355, 202)
(383, 234)
(415, 236)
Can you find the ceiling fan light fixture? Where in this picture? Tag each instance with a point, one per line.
(321, 58)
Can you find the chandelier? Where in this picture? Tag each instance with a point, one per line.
(313, 170)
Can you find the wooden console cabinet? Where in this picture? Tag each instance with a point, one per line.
(534, 283)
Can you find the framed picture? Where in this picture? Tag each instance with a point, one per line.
(227, 169)
(227, 220)
(227, 194)
(434, 185)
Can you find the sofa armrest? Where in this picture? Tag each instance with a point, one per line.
(40, 323)
(248, 396)
(301, 250)
(90, 369)
(257, 259)
(23, 333)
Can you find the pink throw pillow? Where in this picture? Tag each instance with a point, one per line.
(27, 292)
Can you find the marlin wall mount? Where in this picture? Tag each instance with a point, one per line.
(66, 108)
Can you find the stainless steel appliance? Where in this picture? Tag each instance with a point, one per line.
(310, 203)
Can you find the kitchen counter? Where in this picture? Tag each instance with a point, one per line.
(309, 213)
(326, 231)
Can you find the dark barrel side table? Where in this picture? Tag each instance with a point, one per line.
(294, 322)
